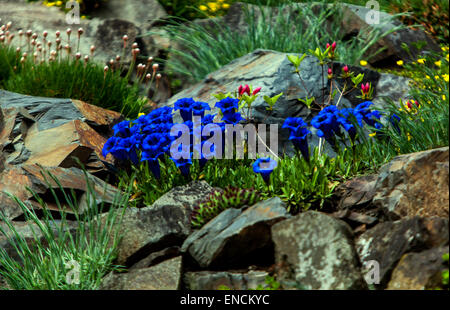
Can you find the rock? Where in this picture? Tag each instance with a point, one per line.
(157, 257)
(233, 236)
(274, 73)
(164, 276)
(415, 184)
(187, 196)
(142, 13)
(31, 233)
(356, 193)
(387, 242)
(151, 229)
(155, 232)
(74, 127)
(419, 271)
(316, 251)
(210, 280)
(15, 179)
(353, 21)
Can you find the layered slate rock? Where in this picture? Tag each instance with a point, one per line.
(234, 235)
(415, 184)
(163, 276)
(419, 271)
(75, 129)
(387, 242)
(274, 73)
(214, 280)
(316, 251)
(15, 180)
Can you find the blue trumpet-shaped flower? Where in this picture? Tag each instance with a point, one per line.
(265, 167)
(298, 134)
(185, 107)
(228, 105)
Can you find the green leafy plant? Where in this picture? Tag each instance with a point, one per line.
(221, 200)
(44, 262)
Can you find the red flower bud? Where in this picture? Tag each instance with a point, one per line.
(257, 90)
(240, 90)
(328, 45)
(246, 89)
(333, 46)
(345, 69)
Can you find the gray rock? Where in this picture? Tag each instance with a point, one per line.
(142, 13)
(415, 184)
(210, 280)
(187, 196)
(419, 271)
(164, 276)
(387, 242)
(149, 230)
(232, 236)
(157, 257)
(316, 251)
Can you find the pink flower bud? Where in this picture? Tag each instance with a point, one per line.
(58, 33)
(333, 46)
(330, 72)
(247, 89)
(45, 34)
(345, 69)
(78, 56)
(68, 31)
(257, 90)
(80, 31)
(240, 90)
(134, 45)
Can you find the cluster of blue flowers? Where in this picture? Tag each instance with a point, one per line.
(329, 122)
(148, 137)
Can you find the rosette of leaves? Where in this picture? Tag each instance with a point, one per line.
(219, 201)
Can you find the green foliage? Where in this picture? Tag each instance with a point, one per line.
(44, 262)
(76, 80)
(219, 201)
(204, 50)
(271, 284)
(445, 272)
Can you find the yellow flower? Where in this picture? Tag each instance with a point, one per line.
(421, 60)
(212, 6)
(373, 134)
(444, 98)
(141, 114)
(445, 77)
(436, 77)
(363, 63)
(408, 136)
(444, 48)
(83, 16)
(437, 63)
(59, 3)
(400, 63)
(203, 7)
(446, 57)
(427, 76)
(225, 5)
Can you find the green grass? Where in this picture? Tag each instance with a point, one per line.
(45, 263)
(204, 51)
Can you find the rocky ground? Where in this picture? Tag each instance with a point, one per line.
(397, 217)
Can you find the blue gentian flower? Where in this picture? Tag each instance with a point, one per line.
(184, 164)
(344, 118)
(232, 118)
(185, 107)
(325, 124)
(298, 134)
(199, 108)
(264, 166)
(228, 105)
